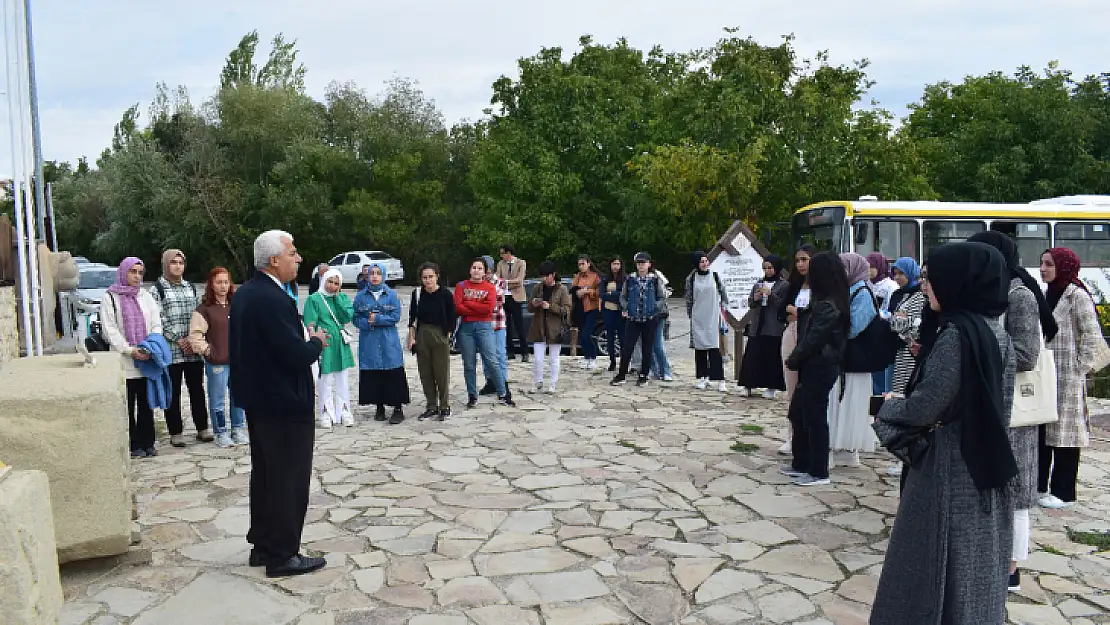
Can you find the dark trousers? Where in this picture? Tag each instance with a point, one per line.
(709, 364)
(514, 326)
(281, 469)
(140, 417)
(614, 331)
(643, 331)
(1057, 469)
(193, 372)
(809, 416)
(586, 335)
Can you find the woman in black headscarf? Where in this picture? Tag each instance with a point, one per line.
(1028, 318)
(951, 541)
(762, 364)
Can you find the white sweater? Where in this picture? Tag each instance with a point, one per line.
(113, 330)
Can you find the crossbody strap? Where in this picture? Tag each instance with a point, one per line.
(330, 312)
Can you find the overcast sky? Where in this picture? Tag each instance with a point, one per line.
(97, 58)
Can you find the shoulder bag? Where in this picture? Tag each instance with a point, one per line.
(875, 348)
(1035, 391)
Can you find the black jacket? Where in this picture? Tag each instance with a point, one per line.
(271, 362)
(314, 284)
(822, 337)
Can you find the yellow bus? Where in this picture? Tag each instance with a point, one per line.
(896, 229)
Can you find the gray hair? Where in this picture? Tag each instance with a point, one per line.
(269, 244)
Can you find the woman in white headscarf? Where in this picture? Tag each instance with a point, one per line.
(330, 309)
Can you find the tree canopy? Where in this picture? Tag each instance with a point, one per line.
(608, 149)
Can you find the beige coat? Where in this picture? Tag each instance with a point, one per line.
(546, 324)
(1076, 348)
(112, 327)
(514, 280)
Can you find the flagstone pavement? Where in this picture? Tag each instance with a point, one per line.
(592, 506)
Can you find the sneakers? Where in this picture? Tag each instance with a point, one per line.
(239, 436)
(537, 387)
(618, 380)
(223, 439)
(1053, 502)
(1015, 581)
(488, 389)
(786, 449)
(743, 390)
(584, 364)
(668, 377)
(398, 416)
(177, 440)
(324, 422)
(444, 414)
(809, 480)
(642, 381)
(551, 390)
(347, 417)
(769, 393)
(702, 384)
(723, 386)
(507, 400)
(789, 471)
(430, 412)
(379, 414)
(471, 402)
(205, 436)
(894, 470)
(138, 453)
(151, 452)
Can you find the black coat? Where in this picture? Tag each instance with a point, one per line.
(271, 362)
(822, 336)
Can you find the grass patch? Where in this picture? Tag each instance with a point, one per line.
(1053, 550)
(633, 446)
(747, 428)
(1098, 540)
(743, 447)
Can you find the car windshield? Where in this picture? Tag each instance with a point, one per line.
(97, 279)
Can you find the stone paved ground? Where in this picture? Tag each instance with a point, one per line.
(593, 506)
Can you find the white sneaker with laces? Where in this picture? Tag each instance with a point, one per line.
(551, 390)
(348, 418)
(1053, 502)
(668, 377)
(723, 386)
(809, 480)
(702, 384)
(223, 439)
(786, 449)
(324, 422)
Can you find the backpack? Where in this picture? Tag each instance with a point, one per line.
(875, 348)
(162, 290)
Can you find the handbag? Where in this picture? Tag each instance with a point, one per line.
(1035, 391)
(875, 348)
(344, 335)
(908, 444)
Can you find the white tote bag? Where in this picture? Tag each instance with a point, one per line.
(1035, 393)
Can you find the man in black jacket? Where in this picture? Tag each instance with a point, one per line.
(314, 283)
(271, 378)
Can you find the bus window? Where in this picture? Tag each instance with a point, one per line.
(894, 239)
(1032, 239)
(938, 233)
(1090, 241)
(820, 227)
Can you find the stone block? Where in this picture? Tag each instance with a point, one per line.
(9, 325)
(30, 587)
(70, 421)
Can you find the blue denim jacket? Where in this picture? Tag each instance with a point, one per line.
(379, 345)
(642, 302)
(862, 307)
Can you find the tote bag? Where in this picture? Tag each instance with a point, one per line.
(1035, 391)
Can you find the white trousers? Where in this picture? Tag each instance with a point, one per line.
(1021, 535)
(538, 350)
(334, 396)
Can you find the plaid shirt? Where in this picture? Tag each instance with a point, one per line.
(177, 310)
(499, 309)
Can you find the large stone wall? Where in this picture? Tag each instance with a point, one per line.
(70, 421)
(9, 325)
(30, 588)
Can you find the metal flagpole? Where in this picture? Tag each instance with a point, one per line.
(36, 131)
(29, 213)
(21, 249)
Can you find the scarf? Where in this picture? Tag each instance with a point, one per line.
(695, 258)
(776, 263)
(970, 281)
(167, 257)
(328, 275)
(1006, 246)
(856, 267)
(133, 323)
(1067, 272)
(881, 266)
(910, 269)
(375, 289)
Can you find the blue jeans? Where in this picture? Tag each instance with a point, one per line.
(219, 395)
(659, 365)
(614, 331)
(502, 356)
(476, 338)
(586, 335)
(882, 381)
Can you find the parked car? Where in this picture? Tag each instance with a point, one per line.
(93, 280)
(350, 264)
(81, 260)
(597, 335)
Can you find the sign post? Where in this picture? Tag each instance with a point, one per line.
(738, 260)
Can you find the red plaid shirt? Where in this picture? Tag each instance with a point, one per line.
(499, 309)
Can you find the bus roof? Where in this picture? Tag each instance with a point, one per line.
(1072, 207)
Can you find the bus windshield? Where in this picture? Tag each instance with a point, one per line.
(819, 227)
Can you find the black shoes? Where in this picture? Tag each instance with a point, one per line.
(428, 414)
(151, 452)
(524, 357)
(642, 380)
(488, 389)
(398, 416)
(297, 565)
(617, 380)
(1015, 581)
(379, 414)
(507, 400)
(138, 453)
(612, 366)
(471, 402)
(444, 414)
(258, 558)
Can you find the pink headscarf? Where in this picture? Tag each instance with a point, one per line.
(132, 322)
(856, 267)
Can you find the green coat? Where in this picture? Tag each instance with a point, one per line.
(336, 356)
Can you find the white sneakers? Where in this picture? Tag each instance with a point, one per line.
(702, 384)
(347, 417)
(723, 386)
(1053, 502)
(786, 449)
(769, 393)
